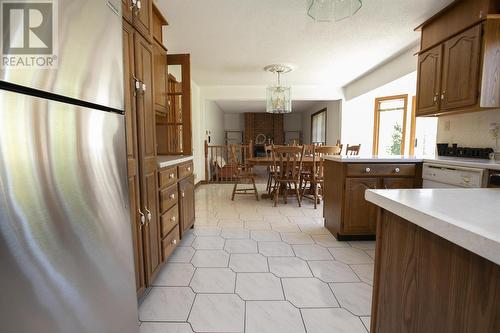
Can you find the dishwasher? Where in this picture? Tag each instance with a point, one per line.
(436, 175)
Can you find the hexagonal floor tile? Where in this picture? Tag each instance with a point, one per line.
(311, 252)
(208, 243)
(166, 304)
(206, 231)
(296, 238)
(213, 280)
(275, 249)
(355, 297)
(266, 236)
(148, 327)
(182, 254)
(331, 320)
(329, 241)
(241, 246)
(273, 317)
(351, 256)
(210, 258)
(248, 263)
(187, 238)
(217, 313)
(333, 271)
(236, 233)
(365, 272)
(308, 293)
(174, 275)
(289, 267)
(258, 287)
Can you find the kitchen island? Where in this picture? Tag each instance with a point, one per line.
(437, 263)
(348, 216)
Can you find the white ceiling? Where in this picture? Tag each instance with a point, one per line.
(230, 41)
(229, 106)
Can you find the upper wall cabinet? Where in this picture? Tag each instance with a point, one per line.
(459, 72)
(139, 13)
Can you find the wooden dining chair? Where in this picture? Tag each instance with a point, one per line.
(243, 174)
(270, 169)
(340, 145)
(352, 150)
(287, 163)
(316, 177)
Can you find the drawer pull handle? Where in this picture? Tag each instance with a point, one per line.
(173, 219)
(143, 218)
(182, 194)
(368, 170)
(174, 241)
(149, 214)
(172, 196)
(171, 176)
(188, 169)
(397, 170)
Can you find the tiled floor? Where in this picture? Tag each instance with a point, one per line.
(250, 267)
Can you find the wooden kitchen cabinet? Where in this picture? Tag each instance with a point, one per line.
(429, 82)
(459, 59)
(461, 69)
(359, 214)
(143, 17)
(347, 214)
(127, 11)
(132, 156)
(160, 78)
(186, 203)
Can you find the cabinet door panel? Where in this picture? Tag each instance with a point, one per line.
(359, 214)
(143, 18)
(429, 81)
(398, 183)
(186, 203)
(153, 250)
(461, 69)
(127, 10)
(132, 155)
(160, 78)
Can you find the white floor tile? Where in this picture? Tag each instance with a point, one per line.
(175, 275)
(355, 297)
(210, 258)
(182, 254)
(289, 267)
(248, 263)
(258, 287)
(208, 243)
(365, 272)
(333, 271)
(331, 320)
(273, 317)
(296, 238)
(241, 246)
(275, 249)
(351, 256)
(166, 304)
(148, 327)
(213, 280)
(235, 233)
(329, 241)
(312, 252)
(218, 313)
(308, 293)
(265, 236)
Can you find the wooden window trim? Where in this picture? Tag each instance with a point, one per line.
(413, 125)
(376, 122)
(326, 123)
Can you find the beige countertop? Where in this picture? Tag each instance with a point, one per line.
(169, 160)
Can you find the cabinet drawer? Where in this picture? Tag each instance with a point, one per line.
(168, 198)
(167, 177)
(370, 170)
(169, 243)
(169, 220)
(185, 170)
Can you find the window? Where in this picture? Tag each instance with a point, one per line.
(318, 127)
(389, 130)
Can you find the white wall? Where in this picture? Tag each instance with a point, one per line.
(393, 69)
(358, 113)
(469, 129)
(292, 121)
(197, 133)
(213, 120)
(234, 122)
(333, 119)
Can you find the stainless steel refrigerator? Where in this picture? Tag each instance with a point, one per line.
(66, 262)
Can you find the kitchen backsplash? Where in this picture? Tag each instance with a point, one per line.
(469, 129)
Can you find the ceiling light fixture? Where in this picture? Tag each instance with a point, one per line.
(333, 10)
(278, 97)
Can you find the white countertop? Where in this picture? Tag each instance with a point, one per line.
(465, 162)
(469, 218)
(168, 160)
(458, 161)
(374, 159)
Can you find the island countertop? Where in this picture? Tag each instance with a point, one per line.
(373, 159)
(469, 218)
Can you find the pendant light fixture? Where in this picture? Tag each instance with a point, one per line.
(333, 10)
(278, 98)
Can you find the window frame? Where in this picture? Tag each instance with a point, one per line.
(376, 121)
(315, 114)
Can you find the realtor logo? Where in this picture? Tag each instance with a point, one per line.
(29, 33)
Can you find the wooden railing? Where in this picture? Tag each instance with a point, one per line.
(220, 166)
